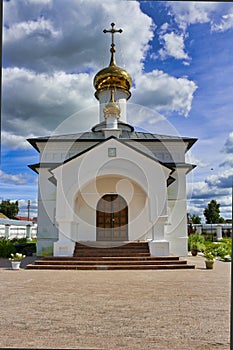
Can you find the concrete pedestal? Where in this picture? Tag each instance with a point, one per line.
(63, 248)
(159, 248)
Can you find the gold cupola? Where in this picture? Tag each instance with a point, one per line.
(112, 109)
(112, 77)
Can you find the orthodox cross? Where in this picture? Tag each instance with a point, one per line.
(112, 50)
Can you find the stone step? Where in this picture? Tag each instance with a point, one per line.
(112, 267)
(111, 244)
(101, 250)
(110, 262)
(106, 254)
(114, 258)
(133, 247)
(129, 249)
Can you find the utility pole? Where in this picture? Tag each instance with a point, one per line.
(28, 209)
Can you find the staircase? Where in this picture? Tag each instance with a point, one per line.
(130, 256)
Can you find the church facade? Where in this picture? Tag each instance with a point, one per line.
(112, 185)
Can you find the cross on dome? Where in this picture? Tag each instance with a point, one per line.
(112, 50)
(112, 77)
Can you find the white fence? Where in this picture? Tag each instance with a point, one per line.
(219, 230)
(12, 229)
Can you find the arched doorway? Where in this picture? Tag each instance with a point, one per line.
(112, 218)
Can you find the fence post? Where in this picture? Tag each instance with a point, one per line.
(7, 231)
(199, 229)
(219, 232)
(28, 233)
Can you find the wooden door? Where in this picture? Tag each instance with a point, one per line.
(112, 218)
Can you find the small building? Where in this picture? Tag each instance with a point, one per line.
(112, 184)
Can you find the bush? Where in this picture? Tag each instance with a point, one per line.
(208, 237)
(196, 242)
(221, 249)
(227, 242)
(19, 240)
(6, 248)
(26, 248)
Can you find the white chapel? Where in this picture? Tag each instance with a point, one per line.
(112, 185)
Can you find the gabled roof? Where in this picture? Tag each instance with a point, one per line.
(126, 142)
(117, 140)
(36, 166)
(99, 137)
(169, 180)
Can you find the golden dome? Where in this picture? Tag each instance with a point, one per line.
(112, 77)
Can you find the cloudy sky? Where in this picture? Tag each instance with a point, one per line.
(179, 55)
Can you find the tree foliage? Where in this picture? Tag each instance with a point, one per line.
(8, 208)
(212, 213)
(6, 248)
(195, 219)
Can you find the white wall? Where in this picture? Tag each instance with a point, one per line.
(83, 181)
(47, 230)
(14, 231)
(87, 200)
(176, 228)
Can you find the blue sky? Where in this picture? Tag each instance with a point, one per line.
(179, 55)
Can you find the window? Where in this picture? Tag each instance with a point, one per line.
(112, 152)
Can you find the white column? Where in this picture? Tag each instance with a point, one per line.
(28, 233)
(176, 233)
(159, 246)
(7, 231)
(199, 229)
(219, 232)
(65, 245)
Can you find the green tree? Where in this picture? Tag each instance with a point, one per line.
(212, 213)
(195, 219)
(8, 208)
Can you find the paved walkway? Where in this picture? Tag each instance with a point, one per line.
(139, 310)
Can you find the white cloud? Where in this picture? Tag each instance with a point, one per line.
(163, 92)
(228, 161)
(14, 141)
(221, 181)
(173, 46)
(228, 149)
(191, 12)
(42, 101)
(215, 186)
(23, 30)
(201, 193)
(226, 22)
(52, 81)
(51, 53)
(194, 159)
(71, 37)
(228, 146)
(198, 190)
(16, 179)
